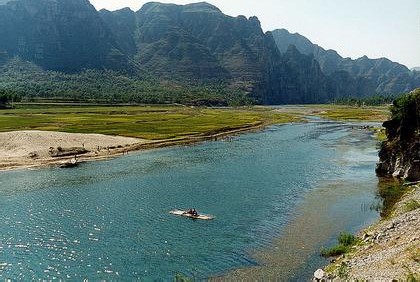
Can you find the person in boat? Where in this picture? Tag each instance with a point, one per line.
(192, 212)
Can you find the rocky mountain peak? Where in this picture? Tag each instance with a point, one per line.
(158, 7)
(201, 7)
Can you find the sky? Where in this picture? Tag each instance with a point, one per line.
(354, 28)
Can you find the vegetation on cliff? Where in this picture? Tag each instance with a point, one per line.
(400, 154)
(28, 82)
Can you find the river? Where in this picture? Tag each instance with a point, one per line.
(278, 196)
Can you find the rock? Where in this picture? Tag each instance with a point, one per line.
(319, 274)
(391, 226)
(366, 236)
(33, 155)
(63, 152)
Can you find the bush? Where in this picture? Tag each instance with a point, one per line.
(412, 205)
(390, 194)
(182, 278)
(345, 241)
(334, 251)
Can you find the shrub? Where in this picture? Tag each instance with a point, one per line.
(345, 241)
(181, 278)
(412, 205)
(334, 251)
(343, 271)
(390, 194)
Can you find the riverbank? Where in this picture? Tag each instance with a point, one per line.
(25, 149)
(32, 149)
(388, 250)
(44, 135)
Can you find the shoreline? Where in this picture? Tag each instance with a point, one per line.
(111, 152)
(387, 250)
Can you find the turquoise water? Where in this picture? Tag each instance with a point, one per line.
(109, 219)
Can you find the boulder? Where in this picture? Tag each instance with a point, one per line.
(319, 275)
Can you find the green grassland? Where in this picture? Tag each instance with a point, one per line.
(163, 122)
(339, 112)
(149, 122)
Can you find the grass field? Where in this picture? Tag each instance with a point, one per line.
(338, 112)
(165, 122)
(149, 122)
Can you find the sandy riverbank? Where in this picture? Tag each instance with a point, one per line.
(32, 148)
(389, 250)
(29, 149)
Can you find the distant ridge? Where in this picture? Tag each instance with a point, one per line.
(379, 75)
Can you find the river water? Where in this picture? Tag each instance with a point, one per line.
(278, 195)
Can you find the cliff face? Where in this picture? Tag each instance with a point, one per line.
(197, 42)
(58, 35)
(400, 154)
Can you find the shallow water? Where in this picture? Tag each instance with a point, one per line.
(109, 219)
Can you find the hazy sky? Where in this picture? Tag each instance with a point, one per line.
(376, 28)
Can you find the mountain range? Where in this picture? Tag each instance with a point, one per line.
(381, 75)
(61, 47)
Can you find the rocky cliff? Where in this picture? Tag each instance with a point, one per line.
(400, 154)
(58, 35)
(197, 42)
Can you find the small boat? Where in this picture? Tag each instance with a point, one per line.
(186, 214)
(71, 163)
